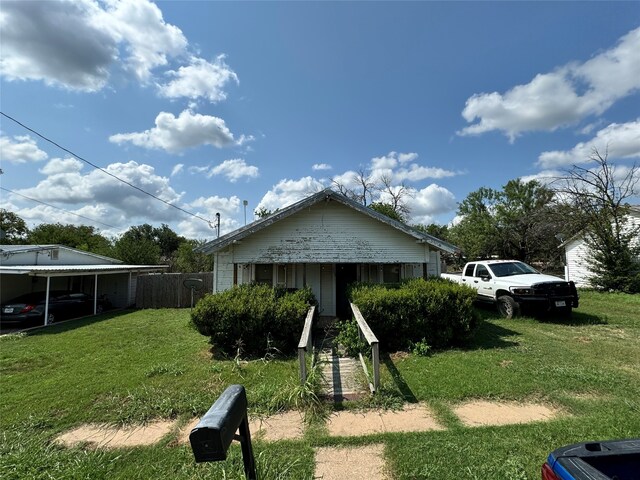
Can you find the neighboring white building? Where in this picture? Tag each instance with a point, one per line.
(36, 268)
(326, 242)
(577, 253)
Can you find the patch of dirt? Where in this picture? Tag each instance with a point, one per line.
(413, 418)
(399, 356)
(350, 463)
(583, 339)
(506, 363)
(282, 426)
(482, 413)
(105, 436)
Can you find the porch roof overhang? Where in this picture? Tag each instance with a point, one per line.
(324, 195)
(66, 270)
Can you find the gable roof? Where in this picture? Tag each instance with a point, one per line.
(634, 211)
(322, 196)
(6, 250)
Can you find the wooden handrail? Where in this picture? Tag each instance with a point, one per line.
(304, 344)
(375, 348)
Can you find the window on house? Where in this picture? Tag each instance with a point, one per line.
(55, 254)
(391, 273)
(264, 273)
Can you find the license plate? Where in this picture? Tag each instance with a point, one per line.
(7, 310)
(561, 303)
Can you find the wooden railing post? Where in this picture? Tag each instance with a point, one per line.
(305, 344)
(372, 340)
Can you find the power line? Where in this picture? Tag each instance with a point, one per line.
(103, 170)
(57, 208)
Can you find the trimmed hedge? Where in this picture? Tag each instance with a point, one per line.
(255, 318)
(436, 312)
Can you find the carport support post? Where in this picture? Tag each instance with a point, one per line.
(95, 295)
(46, 303)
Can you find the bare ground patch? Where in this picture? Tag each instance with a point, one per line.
(482, 413)
(412, 418)
(105, 436)
(333, 463)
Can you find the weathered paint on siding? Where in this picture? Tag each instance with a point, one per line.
(329, 232)
(223, 271)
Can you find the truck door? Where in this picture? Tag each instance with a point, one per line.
(483, 282)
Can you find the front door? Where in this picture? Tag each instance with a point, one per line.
(346, 274)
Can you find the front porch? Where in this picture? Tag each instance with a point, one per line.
(328, 281)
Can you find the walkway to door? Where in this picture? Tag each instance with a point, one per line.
(343, 376)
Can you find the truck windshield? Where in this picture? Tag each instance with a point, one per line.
(507, 269)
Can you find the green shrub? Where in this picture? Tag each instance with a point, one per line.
(254, 318)
(435, 312)
(349, 337)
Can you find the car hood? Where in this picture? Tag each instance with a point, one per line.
(529, 279)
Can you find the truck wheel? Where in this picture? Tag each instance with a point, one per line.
(508, 307)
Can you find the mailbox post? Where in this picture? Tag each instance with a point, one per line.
(211, 437)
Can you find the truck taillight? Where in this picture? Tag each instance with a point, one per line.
(27, 308)
(548, 474)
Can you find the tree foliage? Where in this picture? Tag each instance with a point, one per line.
(14, 229)
(148, 245)
(387, 209)
(190, 261)
(520, 221)
(598, 198)
(82, 237)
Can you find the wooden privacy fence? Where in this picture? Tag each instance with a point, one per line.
(167, 290)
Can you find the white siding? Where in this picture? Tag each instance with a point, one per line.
(313, 280)
(223, 271)
(577, 257)
(433, 267)
(577, 262)
(329, 233)
(55, 256)
(327, 298)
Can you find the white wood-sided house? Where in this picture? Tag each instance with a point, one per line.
(37, 268)
(577, 253)
(326, 242)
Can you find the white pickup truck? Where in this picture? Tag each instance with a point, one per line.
(513, 285)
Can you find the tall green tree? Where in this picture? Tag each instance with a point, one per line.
(190, 261)
(520, 221)
(388, 210)
(13, 228)
(598, 196)
(148, 245)
(82, 237)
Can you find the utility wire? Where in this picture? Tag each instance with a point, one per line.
(104, 171)
(57, 208)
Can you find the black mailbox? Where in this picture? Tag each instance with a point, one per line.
(211, 437)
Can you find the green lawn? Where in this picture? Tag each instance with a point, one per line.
(137, 366)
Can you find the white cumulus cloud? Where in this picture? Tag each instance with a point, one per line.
(321, 166)
(76, 44)
(426, 203)
(287, 192)
(234, 170)
(174, 134)
(561, 97)
(619, 140)
(20, 149)
(199, 79)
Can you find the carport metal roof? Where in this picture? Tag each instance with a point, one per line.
(63, 270)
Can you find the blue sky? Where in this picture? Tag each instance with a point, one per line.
(207, 104)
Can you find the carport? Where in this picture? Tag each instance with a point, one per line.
(26, 269)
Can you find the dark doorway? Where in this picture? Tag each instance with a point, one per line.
(346, 274)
